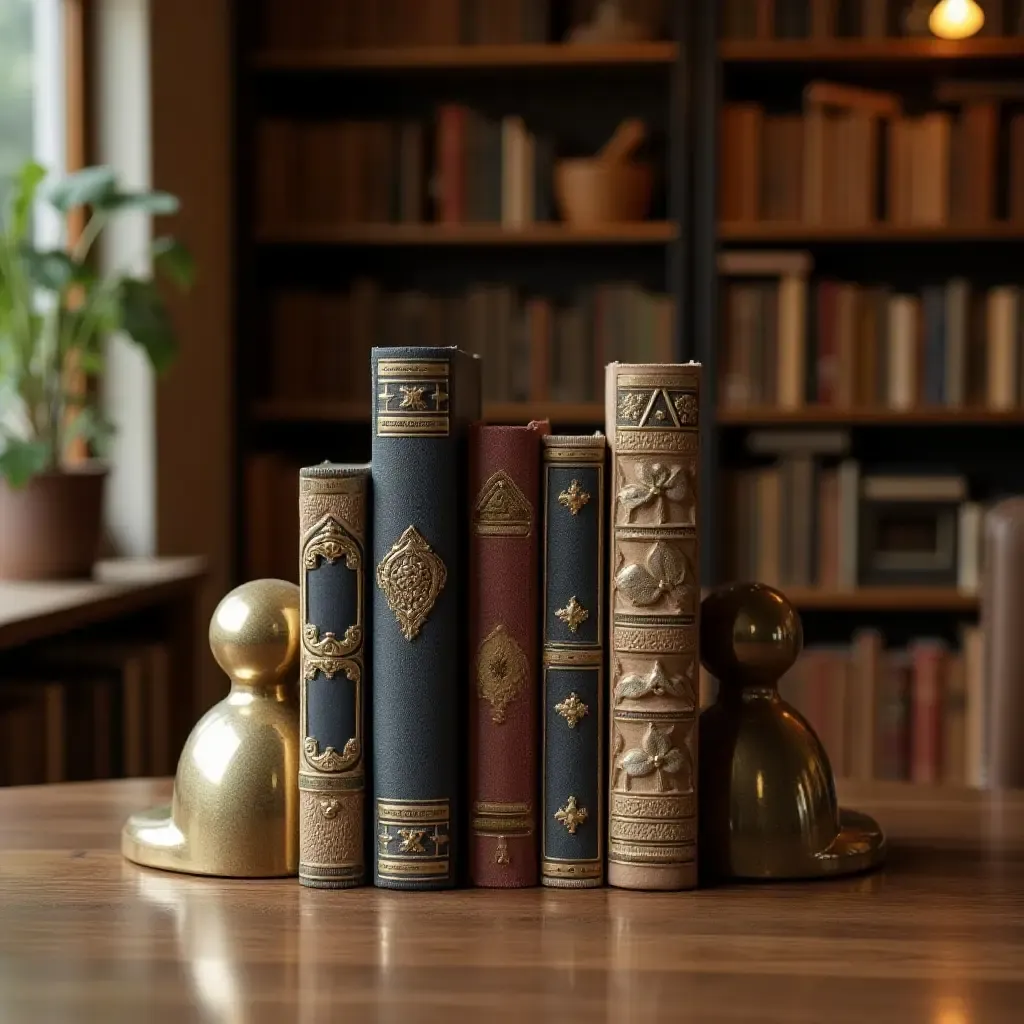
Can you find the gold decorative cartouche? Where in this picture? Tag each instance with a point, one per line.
(768, 807)
(234, 811)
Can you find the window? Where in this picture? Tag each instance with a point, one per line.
(32, 85)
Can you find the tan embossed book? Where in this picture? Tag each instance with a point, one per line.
(652, 427)
(332, 772)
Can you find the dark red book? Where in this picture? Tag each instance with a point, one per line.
(451, 163)
(926, 727)
(504, 654)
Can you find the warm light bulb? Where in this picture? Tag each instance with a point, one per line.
(956, 19)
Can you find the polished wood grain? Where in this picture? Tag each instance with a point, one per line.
(771, 415)
(869, 51)
(452, 58)
(747, 232)
(654, 232)
(938, 936)
(34, 610)
(292, 411)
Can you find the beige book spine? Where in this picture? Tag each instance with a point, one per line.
(652, 422)
(332, 506)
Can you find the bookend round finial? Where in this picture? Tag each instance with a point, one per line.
(234, 811)
(768, 807)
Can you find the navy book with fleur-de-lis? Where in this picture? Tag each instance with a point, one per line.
(572, 811)
(424, 401)
(333, 510)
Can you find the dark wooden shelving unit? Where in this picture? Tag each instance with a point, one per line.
(883, 599)
(758, 232)
(826, 415)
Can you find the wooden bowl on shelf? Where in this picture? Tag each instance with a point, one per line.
(592, 192)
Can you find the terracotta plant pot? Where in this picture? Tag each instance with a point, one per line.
(51, 528)
(592, 192)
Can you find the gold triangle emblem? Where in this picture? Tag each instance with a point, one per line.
(501, 508)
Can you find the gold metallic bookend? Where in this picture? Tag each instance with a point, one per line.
(234, 811)
(768, 807)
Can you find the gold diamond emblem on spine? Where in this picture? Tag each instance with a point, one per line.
(411, 576)
(571, 816)
(502, 671)
(572, 709)
(574, 497)
(573, 614)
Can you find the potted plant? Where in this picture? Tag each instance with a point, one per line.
(56, 313)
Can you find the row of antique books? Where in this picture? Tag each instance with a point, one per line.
(535, 347)
(499, 637)
(368, 24)
(853, 157)
(792, 342)
(810, 520)
(914, 713)
(82, 710)
(851, 19)
(461, 167)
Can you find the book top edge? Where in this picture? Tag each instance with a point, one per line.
(574, 441)
(420, 352)
(333, 470)
(654, 367)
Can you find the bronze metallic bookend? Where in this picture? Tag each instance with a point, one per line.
(236, 794)
(768, 807)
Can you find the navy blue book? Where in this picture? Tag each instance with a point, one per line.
(424, 401)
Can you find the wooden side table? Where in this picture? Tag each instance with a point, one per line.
(937, 936)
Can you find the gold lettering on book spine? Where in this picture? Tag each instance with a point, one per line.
(653, 417)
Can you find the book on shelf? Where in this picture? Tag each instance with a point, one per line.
(333, 750)
(425, 399)
(790, 342)
(913, 713)
(815, 520)
(573, 785)
(853, 158)
(652, 421)
(461, 167)
(534, 347)
(503, 574)
(818, 20)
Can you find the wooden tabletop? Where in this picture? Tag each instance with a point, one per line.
(34, 610)
(938, 936)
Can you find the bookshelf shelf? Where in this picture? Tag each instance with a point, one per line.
(775, 232)
(640, 233)
(305, 411)
(824, 415)
(908, 599)
(452, 58)
(854, 51)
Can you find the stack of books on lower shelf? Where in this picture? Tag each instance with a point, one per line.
(84, 709)
(915, 713)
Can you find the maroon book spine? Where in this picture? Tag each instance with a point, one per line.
(504, 654)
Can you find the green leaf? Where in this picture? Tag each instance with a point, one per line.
(144, 319)
(22, 460)
(89, 186)
(156, 203)
(172, 259)
(23, 195)
(94, 427)
(52, 269)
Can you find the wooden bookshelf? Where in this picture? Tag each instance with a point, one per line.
(780, 233)
(640, 233)
(823, 415)
(879, 599)
(454, 58)
(856, 51)
(564, 413)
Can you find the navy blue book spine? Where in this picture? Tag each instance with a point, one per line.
(424, 401)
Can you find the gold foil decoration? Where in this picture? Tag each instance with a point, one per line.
(502, 671)
(571, 815)
(501, 509)
(411, 577)
(573, 614)
(574, 497)
(572, 709)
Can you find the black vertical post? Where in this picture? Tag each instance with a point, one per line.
(680, 131)
(706, 92)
